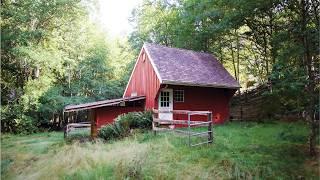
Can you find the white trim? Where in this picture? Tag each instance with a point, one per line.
(152, 63)
(199, 85)
(168, 116)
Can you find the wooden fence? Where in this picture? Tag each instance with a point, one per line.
(248, 105)
(76, 127)
(253, 105)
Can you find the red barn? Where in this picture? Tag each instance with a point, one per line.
(167, 78)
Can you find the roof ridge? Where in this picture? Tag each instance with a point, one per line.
(146, 43)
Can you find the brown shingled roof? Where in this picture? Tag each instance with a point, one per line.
(186, 67)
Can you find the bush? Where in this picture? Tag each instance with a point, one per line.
(13, 120)
(124, 123)
(25, 125)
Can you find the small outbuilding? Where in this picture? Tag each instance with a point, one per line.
(167, 79)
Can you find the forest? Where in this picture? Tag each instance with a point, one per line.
(54, 54)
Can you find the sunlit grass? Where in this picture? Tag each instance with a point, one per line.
(239, 151)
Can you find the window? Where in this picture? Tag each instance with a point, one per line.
(178, 95)
(164, 99)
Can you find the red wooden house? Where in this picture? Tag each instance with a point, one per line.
(167, 78)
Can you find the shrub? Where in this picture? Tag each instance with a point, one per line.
(107, 132)
(124, 123)
(25, 125)
(13, 120)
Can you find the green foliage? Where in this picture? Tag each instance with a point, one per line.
(12, 120)
(140, 120)
(80, 136)
(32, 60)
(54, 55)
(25, 125)
(240, 151)
(125, 123)
(257, 41)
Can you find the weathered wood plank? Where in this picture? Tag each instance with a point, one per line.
(156, 111)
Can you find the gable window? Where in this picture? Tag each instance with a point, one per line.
(178, 95)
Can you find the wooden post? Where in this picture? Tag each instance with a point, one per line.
(65, 134)
(153, 123)
(64, 125)
(189, 133)
(210, 138)
(92, 116)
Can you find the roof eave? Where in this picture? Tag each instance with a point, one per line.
(199, 84)
(97, 104)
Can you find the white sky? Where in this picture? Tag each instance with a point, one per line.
(114, 14)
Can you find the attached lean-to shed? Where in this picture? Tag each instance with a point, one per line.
(104, 112)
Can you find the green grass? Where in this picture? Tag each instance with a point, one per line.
(240, 151)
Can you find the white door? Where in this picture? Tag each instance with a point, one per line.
(166, 104)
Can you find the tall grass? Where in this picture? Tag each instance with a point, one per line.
(240, 151)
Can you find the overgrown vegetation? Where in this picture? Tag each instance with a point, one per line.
(52, 55)
(259, 42)
(240, 151)
(125, 123)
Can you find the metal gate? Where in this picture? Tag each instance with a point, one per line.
(191, 125)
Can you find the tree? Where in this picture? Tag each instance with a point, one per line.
(53, 55)
(270, 42)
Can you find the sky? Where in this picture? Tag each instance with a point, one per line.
(113, 16)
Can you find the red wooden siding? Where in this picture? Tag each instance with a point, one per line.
(204, 98)
(144, 81)
(106, 115)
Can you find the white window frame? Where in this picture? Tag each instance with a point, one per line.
(174, 95)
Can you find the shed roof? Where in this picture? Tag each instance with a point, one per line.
(185, 67)
(111, 102)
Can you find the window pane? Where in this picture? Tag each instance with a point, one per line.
(178, 95)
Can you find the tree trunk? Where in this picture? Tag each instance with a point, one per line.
(265, 53)
(307, 60)
(233, 63)
(221, 53)
(238, 55)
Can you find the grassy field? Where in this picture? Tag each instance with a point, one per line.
(240, 151)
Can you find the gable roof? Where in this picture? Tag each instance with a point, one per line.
(185, 67)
